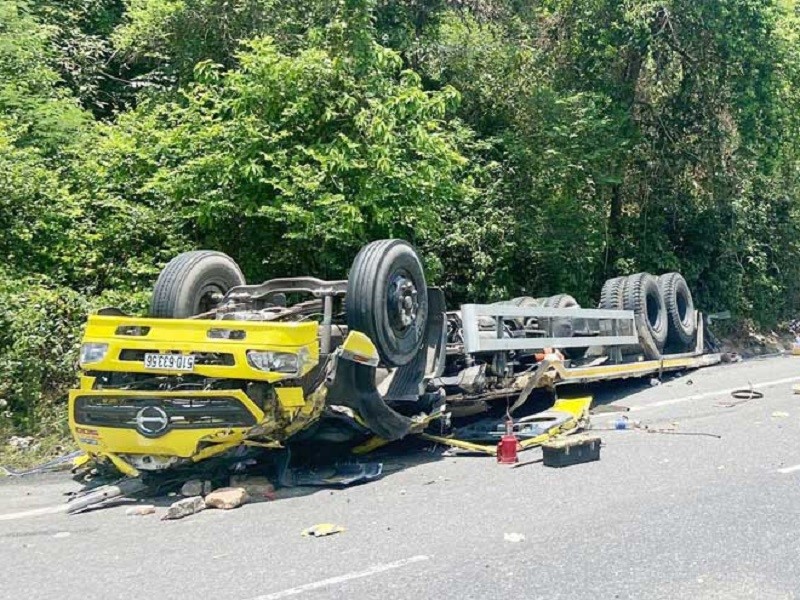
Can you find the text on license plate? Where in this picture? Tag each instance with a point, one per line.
(169, 362)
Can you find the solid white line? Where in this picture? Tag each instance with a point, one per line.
(49, 510)
(756, 386)
(374, 570)
(785, 470)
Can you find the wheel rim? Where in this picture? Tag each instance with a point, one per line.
(653, 312)
(402, 301)
(210, 295)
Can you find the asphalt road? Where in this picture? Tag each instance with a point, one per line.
(659, 516)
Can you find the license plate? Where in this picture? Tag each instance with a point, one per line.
(169, 362)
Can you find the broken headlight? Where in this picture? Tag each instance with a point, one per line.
(278, 362)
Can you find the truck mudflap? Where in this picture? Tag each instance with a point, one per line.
(354, 382)
(354, 387)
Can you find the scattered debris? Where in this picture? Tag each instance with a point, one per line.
(257, 487)
(623, 422)
(571, 451)
(514, 538)
(654, 382)
(184, 507)
(196, 487)
(100, 495)
(322, 529)
(742, 396)
(62, 463)
(438, 479)
(62, 534)
(141, 510)
(608, 408)
(21, 444)
(227, 498)
(339, 475)
(730, 357)
(780, 414)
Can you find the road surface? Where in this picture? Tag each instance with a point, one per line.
(659, 516)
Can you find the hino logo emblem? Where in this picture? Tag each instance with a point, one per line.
(152, 421)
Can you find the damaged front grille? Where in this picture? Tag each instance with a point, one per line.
(156, 415)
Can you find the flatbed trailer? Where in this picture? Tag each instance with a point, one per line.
(605, 362)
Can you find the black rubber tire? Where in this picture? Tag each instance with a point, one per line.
(642, 296)
(680, 309)
(378, 266)
(525, 301)
(564, 328)
(611, 294)
(183, 287)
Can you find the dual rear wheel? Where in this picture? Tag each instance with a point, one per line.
(664, 304)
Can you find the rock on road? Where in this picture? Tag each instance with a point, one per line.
(659, 516)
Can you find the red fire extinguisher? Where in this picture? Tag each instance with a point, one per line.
(507, 447)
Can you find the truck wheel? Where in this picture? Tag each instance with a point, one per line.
(642, 296)
(387, 299)
(680, 308)
(521, 322)
(611, 294)
(192, 283)
(564, 327)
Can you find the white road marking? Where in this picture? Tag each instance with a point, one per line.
(756, 386)
(786, 470)
(374, 570)
(49, 510)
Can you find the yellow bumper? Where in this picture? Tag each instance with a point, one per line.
(111, 421)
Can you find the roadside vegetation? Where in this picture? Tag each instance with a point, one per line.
(523, 147)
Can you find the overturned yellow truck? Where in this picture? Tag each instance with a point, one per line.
(220, 365)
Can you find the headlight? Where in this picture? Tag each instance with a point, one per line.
(92, 353)
(278, 362)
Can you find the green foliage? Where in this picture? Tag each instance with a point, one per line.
(33, 107)
(296, 152)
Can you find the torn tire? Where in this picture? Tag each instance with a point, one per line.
(193, 283)
(387, 300)
(642, 295)
(680, 309)
(611, 296)
(565, 327)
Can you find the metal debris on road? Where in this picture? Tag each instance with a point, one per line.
(571, 451)
(62, 463)
(742, 396)
(322, 529)
(338, 475)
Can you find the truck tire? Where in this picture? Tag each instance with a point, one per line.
(642, 296)
(680, 309)
(191, 283)
(563, 327)
(521, 322)
(387, 300)
(611, 294)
